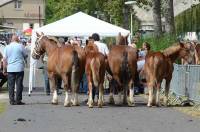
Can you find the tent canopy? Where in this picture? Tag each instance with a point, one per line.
(81, 24)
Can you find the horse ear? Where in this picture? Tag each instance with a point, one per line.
(127, 35)
(42, 33)
(38, 35)
(181, 44)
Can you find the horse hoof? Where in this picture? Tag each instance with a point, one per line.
(149, 105)
(76, 104)
(54, 103)
(158, 105)
(111, 101)
(131, 104)
(90, 106)
(100, 104)
(67, 104)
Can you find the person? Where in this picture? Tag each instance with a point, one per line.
(141, 55)
(102, 47)
(139, 86)
(2, 76)
(13, 66)
(133, 44)
(44, 60)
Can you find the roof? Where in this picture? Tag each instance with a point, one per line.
(3, 2)
(81, 24)
(6, 27)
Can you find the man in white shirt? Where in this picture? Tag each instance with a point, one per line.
(102, 47)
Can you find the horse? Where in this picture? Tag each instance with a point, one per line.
(63, 62)
(159, 66)
(122, 65)
(95, 72)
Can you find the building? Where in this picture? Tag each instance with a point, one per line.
(145, 17)
(22, 14)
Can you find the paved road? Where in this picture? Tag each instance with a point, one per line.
(41, 116)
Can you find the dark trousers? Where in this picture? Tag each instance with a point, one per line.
(15, 78)
(3, 79)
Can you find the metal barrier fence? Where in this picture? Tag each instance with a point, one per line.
(186, 82)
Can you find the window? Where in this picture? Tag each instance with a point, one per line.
(18, 4)
(31, 25)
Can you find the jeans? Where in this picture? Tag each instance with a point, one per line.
(46, 80)
(15, 78)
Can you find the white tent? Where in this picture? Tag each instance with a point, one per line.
(79, 24)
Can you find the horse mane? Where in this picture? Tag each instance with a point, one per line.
(172, 49)
(55, 40)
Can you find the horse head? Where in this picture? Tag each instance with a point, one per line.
(186, 52)
(122, 40)
(39, 46)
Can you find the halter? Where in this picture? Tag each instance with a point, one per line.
(40, 38)
(35, 51)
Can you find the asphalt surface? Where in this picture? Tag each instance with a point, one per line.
(38, 115)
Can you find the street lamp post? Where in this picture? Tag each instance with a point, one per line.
(131, 3)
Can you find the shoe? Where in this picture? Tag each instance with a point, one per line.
(12, 103)
(20, 103)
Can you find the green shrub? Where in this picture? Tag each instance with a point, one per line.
(158, 44)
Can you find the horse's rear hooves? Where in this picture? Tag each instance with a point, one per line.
(54, 103)
(67, 105)
(77, 104)
(131, 105)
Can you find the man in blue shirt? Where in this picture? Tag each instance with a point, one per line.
(14, 56)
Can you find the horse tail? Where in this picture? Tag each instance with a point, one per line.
(125, 73)
(95, 67)
(75, 70)
(155, 69)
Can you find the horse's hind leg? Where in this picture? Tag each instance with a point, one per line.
(111, 98)
(67, 102)
(131, 93)
(167, 85)
(150, 88)
(53, 87)
(158, 94)
(100, 100)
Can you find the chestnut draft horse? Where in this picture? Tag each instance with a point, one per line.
(65, 62)
(95, 71)
(159, 66)
(122, 61)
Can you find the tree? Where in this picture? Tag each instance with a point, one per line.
(168, 11)
(157, 17)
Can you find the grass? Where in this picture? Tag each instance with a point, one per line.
(189, 111)
(2, 107)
